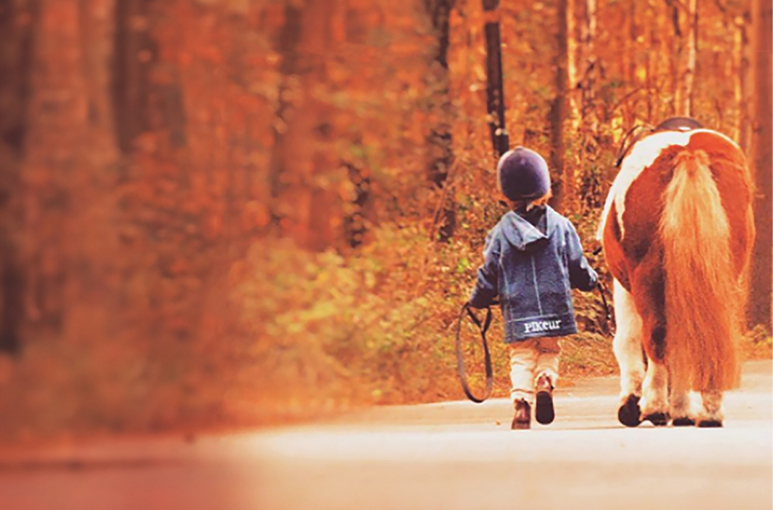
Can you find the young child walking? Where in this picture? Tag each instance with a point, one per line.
(533, 258)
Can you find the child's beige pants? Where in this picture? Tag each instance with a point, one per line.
(528, 360)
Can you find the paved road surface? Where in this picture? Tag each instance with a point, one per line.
(444, 456)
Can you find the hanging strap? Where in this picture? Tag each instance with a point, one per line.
(603, 290)
(630, 138)
(607, 314)
(483, 326)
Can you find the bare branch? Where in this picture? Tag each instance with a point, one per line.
(625, 98)
(677, 4)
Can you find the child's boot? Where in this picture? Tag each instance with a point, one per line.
(522, 418)
(544, 411)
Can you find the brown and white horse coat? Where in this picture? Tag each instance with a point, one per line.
(677, 231)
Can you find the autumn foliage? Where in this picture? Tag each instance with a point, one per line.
(239, 211)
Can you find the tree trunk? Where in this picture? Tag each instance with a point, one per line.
(589, 117)
(302, 209)
(762, 262)
(747, 83)
(495, 96)
(562, 180)
(675, 60)
(130, 71)
(16, 30)
(571, 65)
(629, 67)
(687, 84)
(287, 47)
(737, 72)
(590, 192)
(69, 151)
(655, 42)
(659, 58)
(439, 140)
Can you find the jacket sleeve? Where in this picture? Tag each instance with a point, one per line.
(486, 288)
(581, 275)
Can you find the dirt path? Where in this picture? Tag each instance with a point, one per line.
(442, 456)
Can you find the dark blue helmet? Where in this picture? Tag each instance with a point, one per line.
(523, 174)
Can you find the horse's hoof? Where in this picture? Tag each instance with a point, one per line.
(657, 419)
(629, 413)
(684, 421)
(710, 423)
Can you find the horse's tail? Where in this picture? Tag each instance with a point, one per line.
(702, 294)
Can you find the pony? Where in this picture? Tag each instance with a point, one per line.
(677, 231)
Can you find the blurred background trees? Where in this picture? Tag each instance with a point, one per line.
(236, 211)
(762, 162)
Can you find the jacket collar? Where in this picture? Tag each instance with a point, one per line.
(520, 233)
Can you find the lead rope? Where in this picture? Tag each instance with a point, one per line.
(603, 291)
(607, 314)
(483, 326)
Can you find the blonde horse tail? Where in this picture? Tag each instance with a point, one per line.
(702, 292)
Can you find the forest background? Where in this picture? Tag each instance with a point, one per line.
(237, 212)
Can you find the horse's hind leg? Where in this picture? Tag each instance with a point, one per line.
(650, 303)
(654, 404)
(629, 355)
(681, 410)
(711, 416)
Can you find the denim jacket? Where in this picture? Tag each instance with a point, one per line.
(533, 274)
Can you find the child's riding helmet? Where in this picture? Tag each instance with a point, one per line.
(523, 174)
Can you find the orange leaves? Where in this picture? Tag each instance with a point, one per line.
(255, 215)
(213, 227)
(417, 131)
(338, 25)
(211, 54)
(185, 59)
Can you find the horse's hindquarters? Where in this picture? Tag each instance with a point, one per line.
(677, 235)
